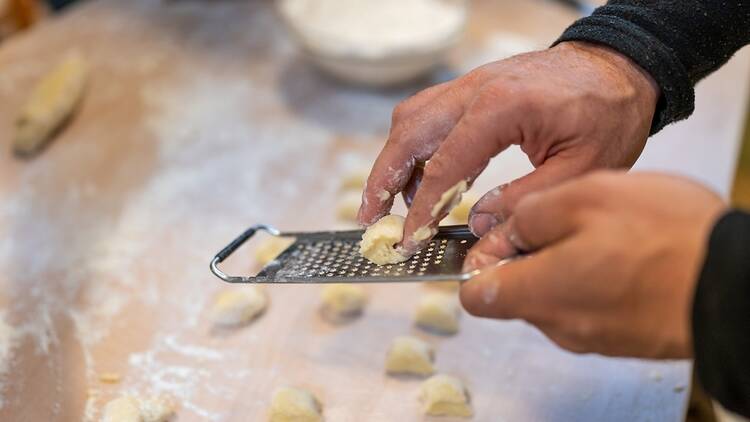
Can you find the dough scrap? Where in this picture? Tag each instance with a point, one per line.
(50, 105)
(238, 305)
(342, 301)
(410, 355)
(378, 240)
(270, 249)
(438, 312)
(133, 409)
(449, 199)
(354, 180)
(444, 395)
(294, 405)
(347, 206)
(460, 214)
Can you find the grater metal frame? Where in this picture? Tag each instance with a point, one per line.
(333, 257)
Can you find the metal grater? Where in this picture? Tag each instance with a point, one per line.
(333, 257)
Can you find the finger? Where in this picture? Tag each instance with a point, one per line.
(521, 288)
(483, 132)
(493, 247)
(498, 204)
(415, 136)
(413, 184)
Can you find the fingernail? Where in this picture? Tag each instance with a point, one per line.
(481, 223)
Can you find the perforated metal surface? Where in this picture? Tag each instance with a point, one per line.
(329, 257)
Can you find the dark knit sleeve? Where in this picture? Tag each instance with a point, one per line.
(721, 314)
(677, 42)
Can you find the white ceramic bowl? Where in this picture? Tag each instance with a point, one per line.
(379, 68)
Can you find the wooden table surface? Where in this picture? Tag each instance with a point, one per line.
(201, 119)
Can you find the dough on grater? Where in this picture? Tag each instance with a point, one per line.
(294, 405)
(438, 312)
(342, 301)
(378, 240)
(238, 305)
(444, 395)
(410, 355)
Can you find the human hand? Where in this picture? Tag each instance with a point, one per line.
(614, 263)
(573, 108)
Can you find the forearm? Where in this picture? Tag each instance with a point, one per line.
(721, 315)
(677, 42)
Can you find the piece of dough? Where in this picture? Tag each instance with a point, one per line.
(449, 199)
(460, 214)
(444, 395)
(342, 301)
(354, 180)
(110, 377)
(270, 249)
(238, 305)
(50, 105)
(378, 240)
(347, 206)
(294, 405)
(410, 355)
(134, 409)
(438, 312)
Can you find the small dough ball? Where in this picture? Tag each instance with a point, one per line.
(133, 409)
(460, 214)
(238, 305)
(342, 301)
(378, 240)
(270, 249)
(294, 405)
(410, 355)
(444, 395)
(347, 206)
(438, 312)
(354, 180)
(122, 409)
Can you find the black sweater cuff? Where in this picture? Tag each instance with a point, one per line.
(677, 99)
(721, 314)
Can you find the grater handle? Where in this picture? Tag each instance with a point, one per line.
(231, 247)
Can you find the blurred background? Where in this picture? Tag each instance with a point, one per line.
(190, 120)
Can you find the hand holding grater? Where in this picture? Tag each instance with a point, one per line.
(333, 257)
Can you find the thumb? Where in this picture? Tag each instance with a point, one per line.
(497, 205)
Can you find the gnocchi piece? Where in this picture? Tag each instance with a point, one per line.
(445, 395)
(438, 312)
(134, 409)
(460, 214)
(270, 249)
(347, 206)
(294, 405)
(410, 355)
(378, 240)
(50, 105)
(342, 301)
(354, 180)
(238, 305)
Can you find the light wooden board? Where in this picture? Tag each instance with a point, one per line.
(200, 120)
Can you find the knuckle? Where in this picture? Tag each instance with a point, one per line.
(401, 111)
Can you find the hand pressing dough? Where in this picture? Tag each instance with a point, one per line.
(438, 312)
(270, 249)
(50, 105)
(238, 305)
(444, 395)
(294, 405)
(133, 409)
(342, 301)
(460, 214)
(347, 206)
(410, 355)
(378, 240)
